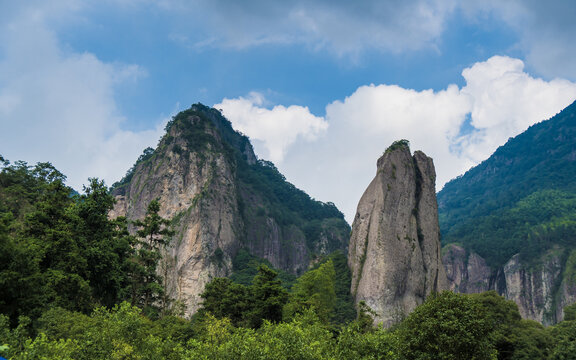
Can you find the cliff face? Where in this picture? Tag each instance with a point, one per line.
(466, 273)
(204, 174)
(541, 289)
(394, 251)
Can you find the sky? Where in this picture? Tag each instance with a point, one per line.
(321, 87)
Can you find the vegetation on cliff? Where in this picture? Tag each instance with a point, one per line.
(520, 200)
(60, 249)
(263, 192)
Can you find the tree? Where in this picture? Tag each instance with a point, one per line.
(503, 318)
(570, 312)
(154, 235)
(531, 341)
(446, 326)
(106, 245)
(246, 305)
(224, 299)
(513, 337)
(268, 297)
(313, 290)
(564, 335)
(49, 230)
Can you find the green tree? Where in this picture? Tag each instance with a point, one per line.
(59, 265)
(246, 305)
(154, 235)
(313, 290)
(355, 342)
(503, 318)
(24, 194)
(119, 333)
(268, 297)
(531, 341)
(447, 326)
(225, 299)
(513, 337)
(570, 312)
(564, 335)
(107, 246)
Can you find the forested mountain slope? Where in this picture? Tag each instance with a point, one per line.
(517, 211)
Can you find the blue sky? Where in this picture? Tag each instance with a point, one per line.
(321, 87)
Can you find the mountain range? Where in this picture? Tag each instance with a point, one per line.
(506, 224)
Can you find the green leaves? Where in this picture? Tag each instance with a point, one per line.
(314, 290)
(147, 288)
(446, 326)
(246, 305)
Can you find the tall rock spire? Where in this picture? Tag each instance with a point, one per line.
(394, 251)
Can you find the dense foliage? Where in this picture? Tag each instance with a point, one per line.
(60, 249)
(245, 266)
(521, 200)
(446, 326)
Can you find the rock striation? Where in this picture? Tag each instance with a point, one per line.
(394, 251)
(466, 273)
(541, 289)
(221, 198)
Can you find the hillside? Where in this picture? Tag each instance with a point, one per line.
(524, 191)
(508, 224)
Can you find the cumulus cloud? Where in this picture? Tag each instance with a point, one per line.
(457, 127)
(58, 106)
(276, 129)
(507, 100)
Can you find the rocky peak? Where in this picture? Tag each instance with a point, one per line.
(394, 251)
(221, 198)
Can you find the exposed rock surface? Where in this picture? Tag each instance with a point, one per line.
(394, 251)
(466, 273)
(541, 289)
(203, 173)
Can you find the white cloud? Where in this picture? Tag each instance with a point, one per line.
(378, 115)
(276, 129)
(507, 101)
(500, 100)
(58, 106)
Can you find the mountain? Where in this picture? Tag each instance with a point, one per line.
(511, 220)
(394, 252)
(221, 200)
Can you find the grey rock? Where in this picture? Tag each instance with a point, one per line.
(394, 250)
